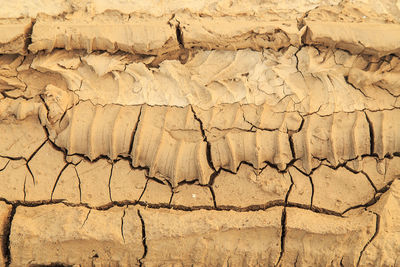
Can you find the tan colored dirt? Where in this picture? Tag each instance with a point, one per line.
(200, 133)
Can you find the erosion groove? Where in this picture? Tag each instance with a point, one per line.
(215, 133)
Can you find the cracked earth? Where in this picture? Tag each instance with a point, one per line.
(201, 133)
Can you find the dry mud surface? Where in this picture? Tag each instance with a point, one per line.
(200, 133)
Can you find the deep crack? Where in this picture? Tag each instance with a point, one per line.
(87, 217)
(135, 130)
(79, 184)
(122, 226)
(208, 145)
(6, 239)
(57, 179)
(378, 219)
(144, 241)
(109, 182)
(371, 134)
(283, 222)
(179, 35)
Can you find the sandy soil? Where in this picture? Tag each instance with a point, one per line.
(200, 133)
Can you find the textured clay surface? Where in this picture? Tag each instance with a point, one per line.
(200, 133)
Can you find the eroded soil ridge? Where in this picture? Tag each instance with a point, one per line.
(210, 133)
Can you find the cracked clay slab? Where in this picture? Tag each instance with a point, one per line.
(199, 133)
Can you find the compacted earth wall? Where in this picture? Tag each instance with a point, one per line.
(200, 133)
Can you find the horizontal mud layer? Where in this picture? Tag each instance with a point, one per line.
(192, 32)
(130, 234)
(306, 80)
(141, 236)
(186, 144)
(210, 133)
(139, 29)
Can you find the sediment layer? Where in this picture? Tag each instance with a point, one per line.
(199, 133)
